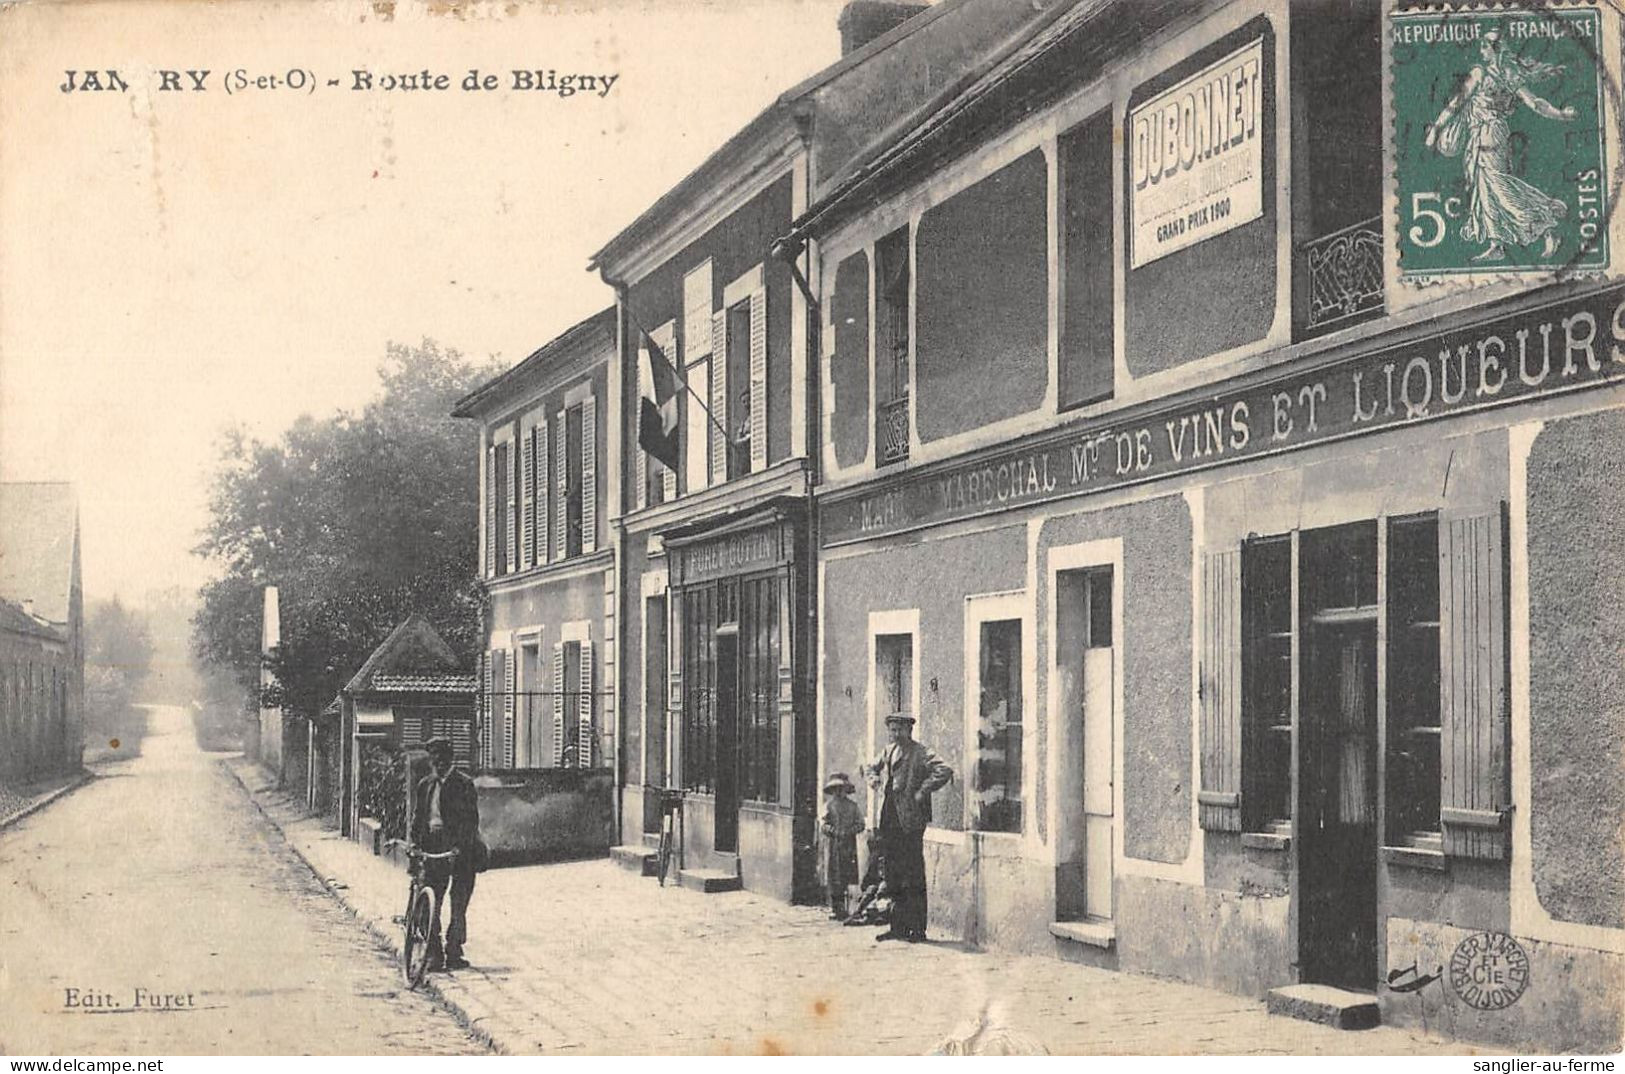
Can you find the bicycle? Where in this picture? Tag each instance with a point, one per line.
(418, 920)
(671, 832)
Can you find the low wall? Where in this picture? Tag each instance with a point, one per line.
(546, 814)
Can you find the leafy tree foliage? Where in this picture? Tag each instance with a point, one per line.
(118, 657)
(358, 519)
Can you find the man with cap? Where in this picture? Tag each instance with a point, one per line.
(906, 775)
(446, 816)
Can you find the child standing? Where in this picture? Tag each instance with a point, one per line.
(843, 820)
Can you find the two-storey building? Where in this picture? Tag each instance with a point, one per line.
(1214, 436)
(717, 541)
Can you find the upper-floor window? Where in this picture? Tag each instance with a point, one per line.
(891, 347)
(736, 413)
(573, 488)
(542, 488)
(1087, 304)
(1337, 144)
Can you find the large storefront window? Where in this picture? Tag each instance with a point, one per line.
(731, 654)
(1266, 681)
(998, 730)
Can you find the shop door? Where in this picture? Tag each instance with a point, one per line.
(1337, 831)
(727, 715)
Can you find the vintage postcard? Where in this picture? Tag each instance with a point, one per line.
(811, 527)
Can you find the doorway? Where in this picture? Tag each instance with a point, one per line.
(1086, 666)
(1337, 764)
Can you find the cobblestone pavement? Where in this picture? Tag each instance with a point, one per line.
(161, 875)
(585, 957)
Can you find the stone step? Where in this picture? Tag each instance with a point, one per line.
(1336, 1007)
(640, 859)
(1092, 931)
(710, 881)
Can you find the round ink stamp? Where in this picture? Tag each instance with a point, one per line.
(1489, 971)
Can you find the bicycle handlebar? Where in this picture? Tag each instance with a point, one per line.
(422, 855)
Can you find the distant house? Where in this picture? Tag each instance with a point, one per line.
(42, 648)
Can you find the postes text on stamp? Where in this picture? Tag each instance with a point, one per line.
(1499, 128)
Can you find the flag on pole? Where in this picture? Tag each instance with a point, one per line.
(657, 410)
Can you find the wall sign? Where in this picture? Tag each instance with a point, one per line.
(1196, 157)
(1576, 343)
(731, 554)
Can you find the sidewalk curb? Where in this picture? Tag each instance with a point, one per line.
(83, 777)
(472, 1013)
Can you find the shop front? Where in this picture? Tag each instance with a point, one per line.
(738, 738)
(1295, 662)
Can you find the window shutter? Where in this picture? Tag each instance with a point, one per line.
(719, 396)
(1473, 683)
(1220, 798)
(510, 509)
(527, 500)
(666, 338)
(645, 391)
(509, 706)
(558, 704)
(584, 731)
(561, 482)
(487, 697)
(758, 380)
(589, 475)
(491, 512)
(540, 472)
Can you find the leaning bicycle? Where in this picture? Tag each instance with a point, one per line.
(421, 907)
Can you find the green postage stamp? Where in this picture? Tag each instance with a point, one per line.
(1499, 120)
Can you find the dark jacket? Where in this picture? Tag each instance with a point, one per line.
(459, 811)
(917, 774)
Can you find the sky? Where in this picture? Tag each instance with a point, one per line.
(176, 262)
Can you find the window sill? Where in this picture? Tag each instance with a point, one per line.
(1274, 841)
(1416, 858)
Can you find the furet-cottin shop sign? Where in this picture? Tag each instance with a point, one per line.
(1572, 344)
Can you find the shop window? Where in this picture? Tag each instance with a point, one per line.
(759, 656)
(894, 674)
(1413, 775)
(1337, 163)
(1266, 683)
(891, 348)
(700, 622)
(1087, 303)
(998, 730)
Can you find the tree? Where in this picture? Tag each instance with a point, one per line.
(359, 520)
(118, 657)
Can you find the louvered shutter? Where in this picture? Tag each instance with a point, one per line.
(758, 380)
(1473, 684)
(1219, 800)
(487, 707)
(584, 729)
(541, 472)
(589, 475)
(510, 704)
(510, 507)
(561, 485)
(666, 338)
(558, 704)
(527, 500)
(645, 391)
(719, 396)
(491, 514)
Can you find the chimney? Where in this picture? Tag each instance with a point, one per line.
(861, 21)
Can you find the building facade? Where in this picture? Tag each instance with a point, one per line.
(1245, 560)
(42, 644)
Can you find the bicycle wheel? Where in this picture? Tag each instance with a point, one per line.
(665, 854)
(419, 937)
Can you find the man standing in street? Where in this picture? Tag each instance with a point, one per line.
(906, 775)
(446, 816)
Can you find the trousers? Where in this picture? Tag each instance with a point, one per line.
(905, 877)
(457, 876)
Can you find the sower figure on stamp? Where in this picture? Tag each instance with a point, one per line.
(446, 815)
(1501, 207)
(907, 774)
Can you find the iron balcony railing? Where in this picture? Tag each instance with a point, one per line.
(891, 420)
(1345, 275)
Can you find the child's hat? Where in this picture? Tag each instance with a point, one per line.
(837, 781)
